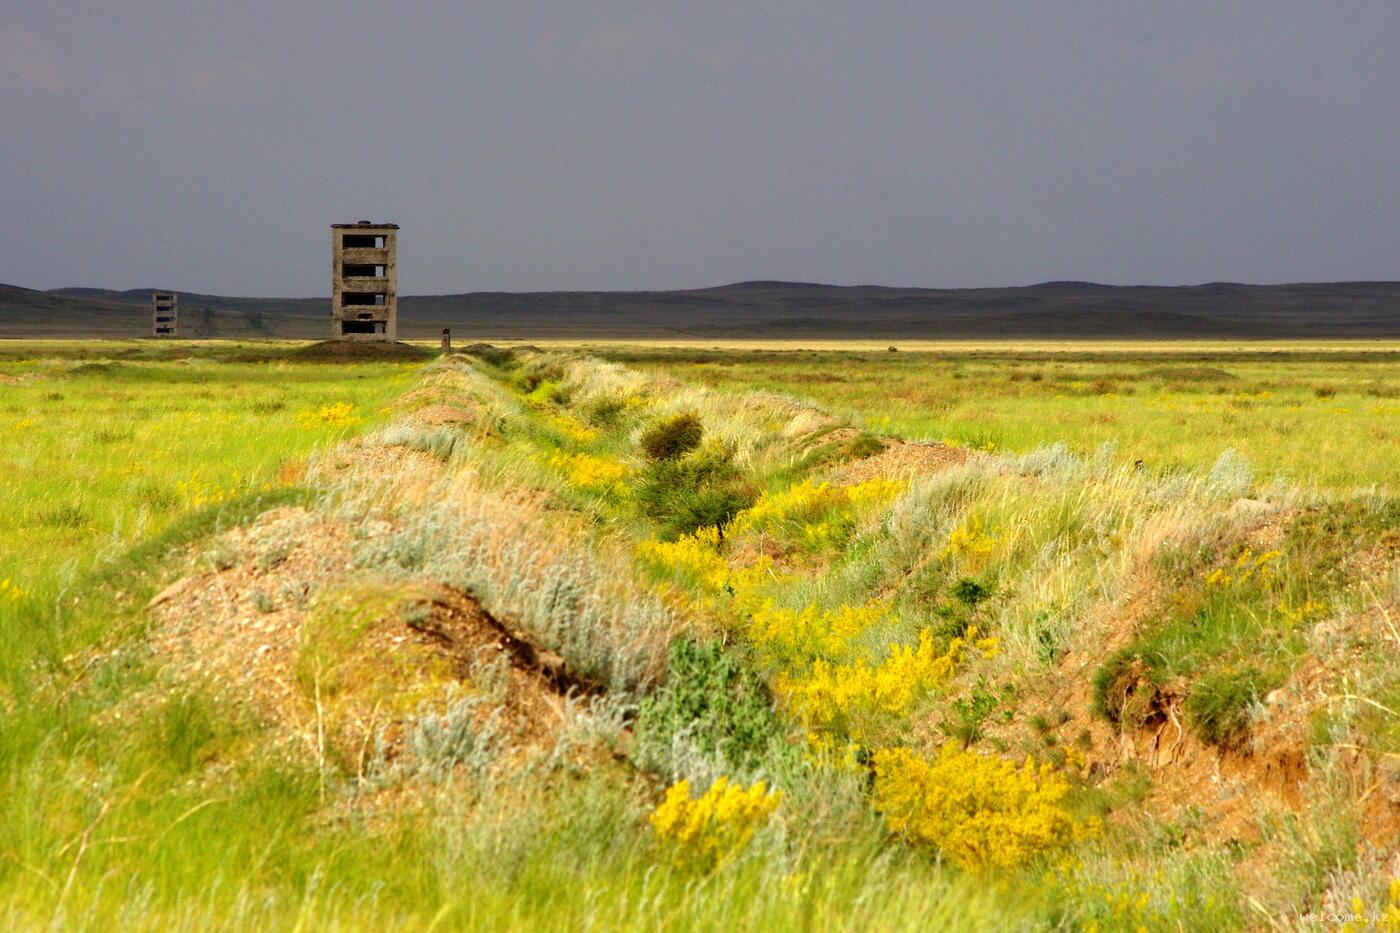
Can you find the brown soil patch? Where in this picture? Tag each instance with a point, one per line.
(902, 459)
(443, 414)
(838, 436)
(1229, 787)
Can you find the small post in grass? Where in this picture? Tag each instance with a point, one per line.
(446, 340)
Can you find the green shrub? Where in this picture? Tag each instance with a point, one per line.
(970, 592)
(712, 703)
(969, 713)
(699, 491)
(673, 438)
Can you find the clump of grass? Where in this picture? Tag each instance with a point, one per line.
(673, 438)
(1219, 702)
(463, 735)
(439, 441)
(1127, 691)
(182, 733)
(864, 445)
(606, 412)
(156, 495)
(536, 373)
(499, 357)
(1231, 475)
(64, 515)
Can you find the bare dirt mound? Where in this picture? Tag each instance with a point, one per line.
(356, 351)
(902, 459)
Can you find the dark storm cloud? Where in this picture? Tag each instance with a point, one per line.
(624, 145)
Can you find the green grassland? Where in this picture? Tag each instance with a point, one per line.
(100, 449)
(1311, 413)
(1028, 685)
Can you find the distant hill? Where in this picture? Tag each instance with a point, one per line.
(759, 309)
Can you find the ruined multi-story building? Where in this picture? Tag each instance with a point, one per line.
(364, 281)
(165, 314)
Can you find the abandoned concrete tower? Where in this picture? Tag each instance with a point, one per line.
(364, 281)
(165, 314)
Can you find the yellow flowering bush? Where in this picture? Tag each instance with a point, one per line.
(572, 428)
(798, 503)
(593, 473)
(339, 415)
(695, 560)
(969, 543)
(848, 697)
(981, 812)
(811, 632)
(815, 515)
(872, 492)
(1308, 610)
(715, 826)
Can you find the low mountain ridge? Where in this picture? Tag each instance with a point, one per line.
(762, 308)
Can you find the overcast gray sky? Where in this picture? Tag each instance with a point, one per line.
(586, 144)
